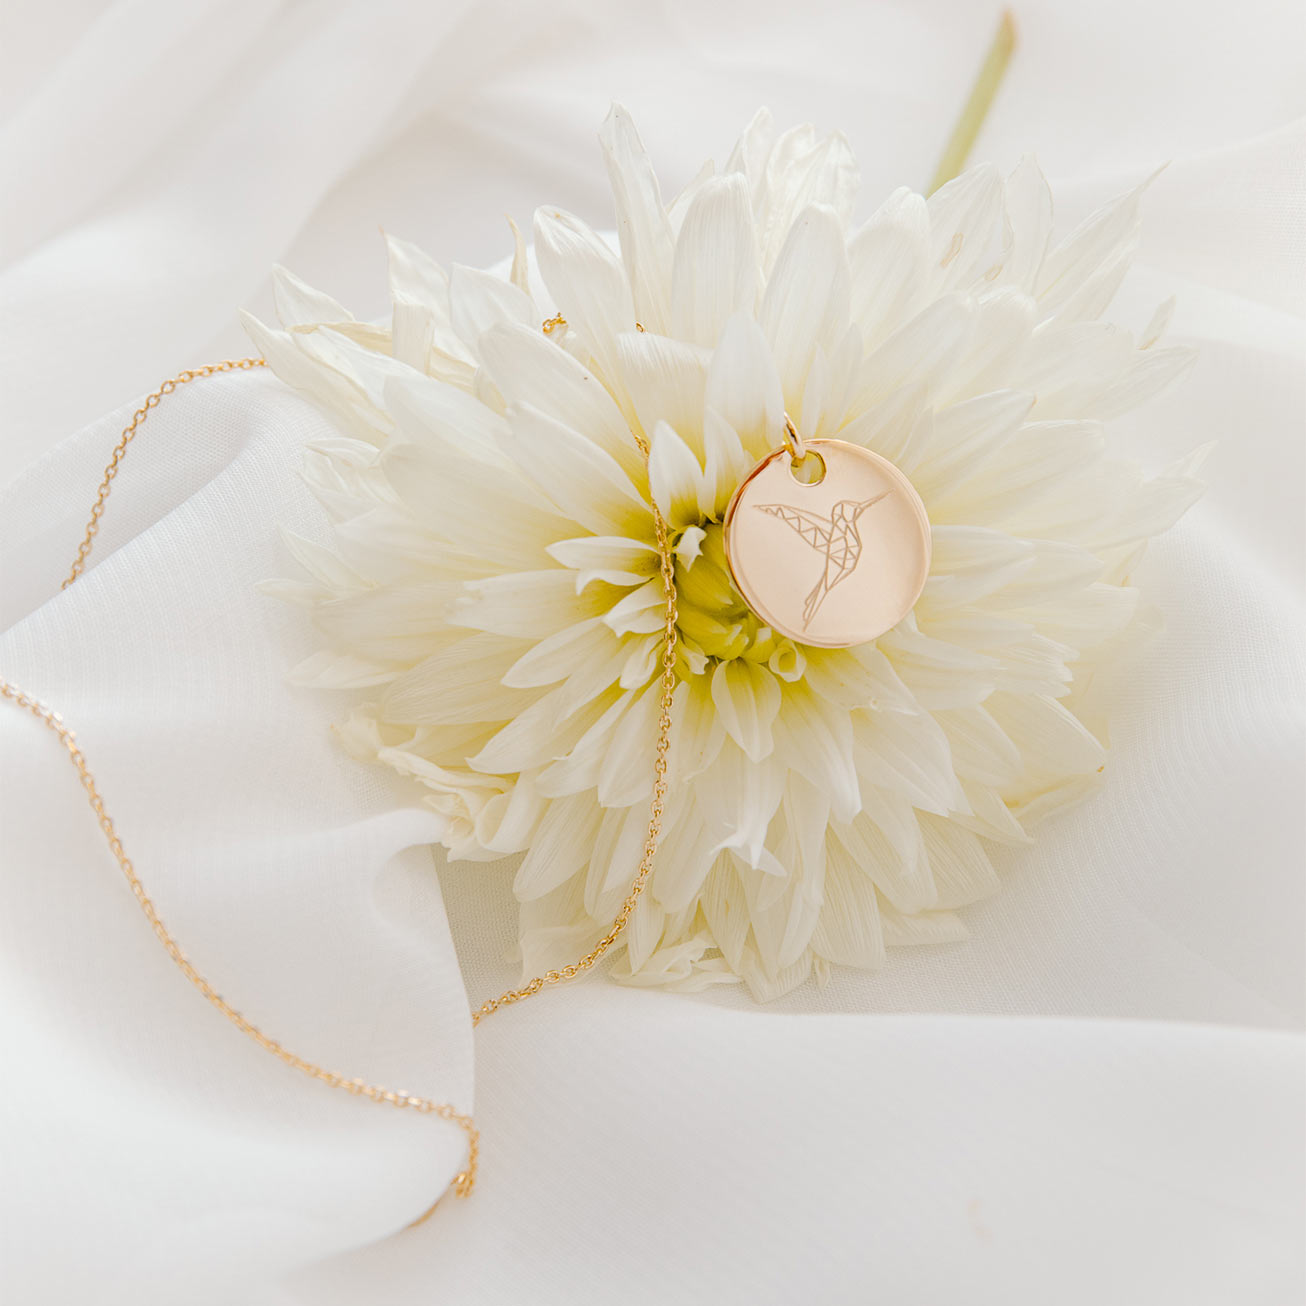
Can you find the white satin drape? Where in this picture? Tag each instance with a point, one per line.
(1095, 1100)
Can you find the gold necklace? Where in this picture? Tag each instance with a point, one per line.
(465, 1180)
(749, 564)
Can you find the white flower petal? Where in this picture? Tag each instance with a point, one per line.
(456, 424)
(1004, 326)
(897, 428)
(690, 545)
(528, 604)
(642, 661)
(613, 559)
(1029, 215)
(765, 984)
(736, 799)
(640, 612)
(959, 866)
(815, 399)
(417, 277)
(395, 623)
(990, 817)
(479, 300)
(297, 303)
(981, 751)
(726, 911)
(412, 332)
(857, 677)
(716, 271)
(1158, 325)
(581, 767)
(519, 273)
(583, 482)
(747, 699)
(685, 856)
(752, 148)
(508, 821)
(806, 300)
(675, 478)
(1050, 739)
(801, 170)
(287, 356)
(887, 261)
(529, 368)
(725, 465)
(961, 437)
(587, 283)
(542, 733)
(1085, 618)
(908, 756)
(627, 775)
(939, 674)
(848, 930)
(561, 847)
(665, 380)
(929, 927)
(642, 226)
(815, 738)
(743, 386)
(1148, 374)
(696, 731)
(1015, 471)
(1105, 236)
(970, 562)
(329, 670)
(884, 843)
(678, 206)
(555, 658)
(461, 683)
(615, 858)
(966, 216)
(451, 496)
(921, 352)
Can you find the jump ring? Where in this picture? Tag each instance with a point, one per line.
(797, 447)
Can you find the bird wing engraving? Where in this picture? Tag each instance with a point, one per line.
(815, 530)
(836, 537)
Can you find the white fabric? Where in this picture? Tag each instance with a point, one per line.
(1098, 1098)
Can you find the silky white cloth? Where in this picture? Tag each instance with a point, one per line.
(1096, 1099)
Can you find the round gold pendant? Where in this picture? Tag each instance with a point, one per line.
(832, 550)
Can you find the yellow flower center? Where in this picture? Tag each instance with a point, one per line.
(716, 622)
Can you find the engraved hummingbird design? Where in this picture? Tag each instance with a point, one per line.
(835, 536)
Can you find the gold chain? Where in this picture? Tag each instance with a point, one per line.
(656, 806)
(465, 1180)
(129, 434)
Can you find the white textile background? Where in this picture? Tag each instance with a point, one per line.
(1097, 1099)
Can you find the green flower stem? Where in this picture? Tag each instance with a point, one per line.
(977, 107)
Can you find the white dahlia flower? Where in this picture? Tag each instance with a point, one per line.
(493, 585)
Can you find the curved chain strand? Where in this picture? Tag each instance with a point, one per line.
(464, 1181)
(129, 434)
(657, 805)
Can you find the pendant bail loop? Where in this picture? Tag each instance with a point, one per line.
(794, 442)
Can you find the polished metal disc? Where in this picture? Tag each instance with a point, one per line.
(831, 552)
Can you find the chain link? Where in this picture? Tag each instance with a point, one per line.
(657, 805)
(465, 1180)
(129, 434)
(51, 719)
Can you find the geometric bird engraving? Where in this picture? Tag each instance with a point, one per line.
(836, 537)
